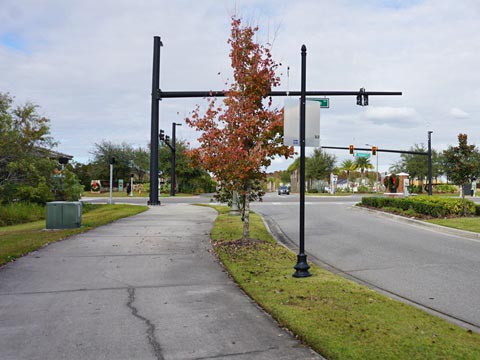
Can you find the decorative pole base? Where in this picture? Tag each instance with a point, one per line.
(301, 267)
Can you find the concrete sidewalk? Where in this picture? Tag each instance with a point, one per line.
(145, 287)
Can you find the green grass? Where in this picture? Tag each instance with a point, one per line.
(337, 317)
(462, 223)
(19, 240)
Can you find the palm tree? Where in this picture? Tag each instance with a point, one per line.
(347, 166)
(362, 163)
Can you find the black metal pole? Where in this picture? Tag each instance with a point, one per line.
(301, 268)
(172, 171)
(378, 150)
(215, 93)
(154, 123)
(430, 163)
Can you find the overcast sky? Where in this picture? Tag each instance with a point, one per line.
(88, 65)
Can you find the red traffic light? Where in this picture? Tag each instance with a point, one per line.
(351, 149)
(374, 150)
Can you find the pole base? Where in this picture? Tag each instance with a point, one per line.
(301, 268)
(154, 203)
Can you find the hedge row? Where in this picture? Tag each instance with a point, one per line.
(426, 205)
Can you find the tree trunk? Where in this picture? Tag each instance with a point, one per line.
(246, 215)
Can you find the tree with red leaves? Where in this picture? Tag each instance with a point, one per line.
(240, 138)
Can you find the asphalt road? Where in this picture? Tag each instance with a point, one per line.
(436, 270)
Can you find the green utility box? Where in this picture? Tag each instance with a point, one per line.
(64, 214)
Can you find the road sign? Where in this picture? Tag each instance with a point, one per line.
(365, 155)
(324, 102)
(291, 123)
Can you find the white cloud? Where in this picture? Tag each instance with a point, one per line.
(392, 116)
(458, 113)
(88, 64)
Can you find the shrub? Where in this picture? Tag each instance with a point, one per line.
(312, 191)
(425, 205)
(20, 213)
(363, 189)
(445, 189)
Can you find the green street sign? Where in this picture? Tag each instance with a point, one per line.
(324, 102)
(365, 155)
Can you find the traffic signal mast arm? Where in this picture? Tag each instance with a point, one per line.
(206, 94)
(378, 150)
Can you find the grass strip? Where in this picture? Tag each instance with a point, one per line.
(462, 223)
(337, 317)
(19, 240)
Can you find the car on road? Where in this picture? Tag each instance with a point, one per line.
(283, 190)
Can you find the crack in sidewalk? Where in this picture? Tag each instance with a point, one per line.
(157, 349)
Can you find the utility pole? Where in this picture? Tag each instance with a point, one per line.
(430, 163)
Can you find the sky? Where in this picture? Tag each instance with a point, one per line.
(88, 65)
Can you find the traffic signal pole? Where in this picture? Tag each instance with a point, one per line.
(153, 200)
(301, 268)
(362, 99)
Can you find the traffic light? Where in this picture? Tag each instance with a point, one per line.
(362, 98)
(167, 139)
(374, 150)
(351, 149)
(359, 100)
(161, 136)
(112, 160)
(365, 100)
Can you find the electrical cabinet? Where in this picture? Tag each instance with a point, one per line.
(64, 214)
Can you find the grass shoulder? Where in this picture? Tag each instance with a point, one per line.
(338, 318)
(471, 223)
(19, 240)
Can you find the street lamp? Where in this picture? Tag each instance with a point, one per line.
(376, 171)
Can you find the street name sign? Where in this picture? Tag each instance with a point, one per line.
(324, 102)
(365, 155)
